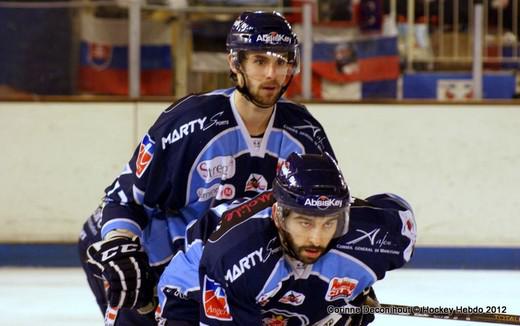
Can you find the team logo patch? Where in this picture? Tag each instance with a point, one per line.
(274, 321)
(293, 298)
(340, 288)
(215, 301)
(256, 182)
(145, 156)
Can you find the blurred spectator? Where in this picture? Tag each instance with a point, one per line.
(346, 58)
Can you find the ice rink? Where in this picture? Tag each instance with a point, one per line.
(60, 296)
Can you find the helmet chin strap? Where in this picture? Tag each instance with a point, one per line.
(244, 90)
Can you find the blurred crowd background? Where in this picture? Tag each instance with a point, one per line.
(362, 49)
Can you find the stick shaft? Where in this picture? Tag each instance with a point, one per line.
(402, 310)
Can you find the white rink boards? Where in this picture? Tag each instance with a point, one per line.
(456, 164)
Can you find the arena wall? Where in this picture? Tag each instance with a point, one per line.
(458, 165)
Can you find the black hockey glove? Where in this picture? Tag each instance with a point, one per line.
(368, 298)
(122, 262)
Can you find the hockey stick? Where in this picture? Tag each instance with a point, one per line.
(402, 310)
(415, 311)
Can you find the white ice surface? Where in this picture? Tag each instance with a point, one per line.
(60, 296)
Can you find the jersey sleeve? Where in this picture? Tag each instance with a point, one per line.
(298, 120)
(324, 144)
(179, 289)
(222, 303)
(382, 233)
(405, 223)
(146, 183)
(125, 206)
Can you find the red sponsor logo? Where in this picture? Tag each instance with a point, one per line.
(145, 156)
(226, 191)
(215, 301)
(340, 288)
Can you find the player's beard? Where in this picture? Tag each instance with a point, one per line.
(300, 250)
(266, 97)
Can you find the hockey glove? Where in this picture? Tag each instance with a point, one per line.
(367, 298)
(121, 261)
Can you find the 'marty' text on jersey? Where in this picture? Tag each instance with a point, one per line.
(263, 286)
(199, 154)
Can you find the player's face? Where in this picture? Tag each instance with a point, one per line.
(266, 74)
(309, 236)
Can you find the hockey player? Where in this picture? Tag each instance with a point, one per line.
(293, 262)
(202, 150)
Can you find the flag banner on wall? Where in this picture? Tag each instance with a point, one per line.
(457, 86)
(355, 69)
(104, 57)
(508, 52)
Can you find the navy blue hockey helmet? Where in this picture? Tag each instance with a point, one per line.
(269, 33)
(266, 32)
(313, 185)
(262, 31)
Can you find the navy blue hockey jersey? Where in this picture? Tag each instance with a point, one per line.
(244, 278)
(196, 155)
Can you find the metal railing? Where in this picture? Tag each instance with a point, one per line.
(450, 28)
(447, 26)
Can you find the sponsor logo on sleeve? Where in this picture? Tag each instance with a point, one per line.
(256, 182)
(310, 131)
(215, 301)
(373, 241)
(340, 288)
(222, 167)
(293, 298)
(146, 150)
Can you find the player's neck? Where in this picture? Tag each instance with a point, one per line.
(255, 118)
